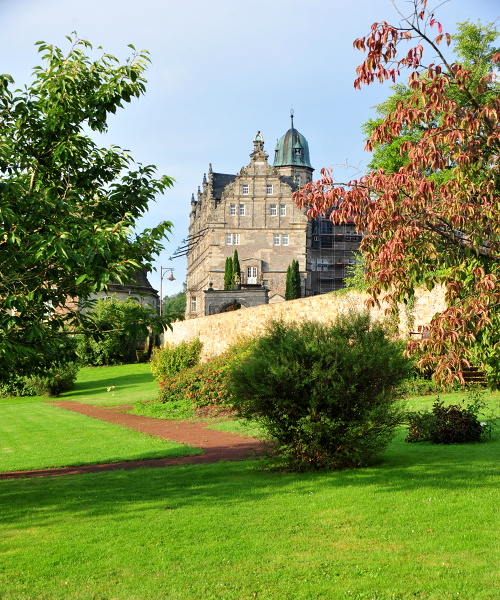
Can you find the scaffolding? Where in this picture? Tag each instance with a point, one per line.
(336, 252)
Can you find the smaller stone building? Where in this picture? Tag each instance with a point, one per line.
(137, 288)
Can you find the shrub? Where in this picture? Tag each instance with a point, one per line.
(168, 361)
(120, 342)
(51, 373)
(418, 386)
(451, 424)
(54, 380)
(208, 383)
(326, 393)
(13, 385)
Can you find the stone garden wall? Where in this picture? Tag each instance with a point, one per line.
(219, 331)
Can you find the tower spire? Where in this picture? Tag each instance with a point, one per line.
(291, 116)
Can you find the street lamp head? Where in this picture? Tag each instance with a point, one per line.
(171, 276)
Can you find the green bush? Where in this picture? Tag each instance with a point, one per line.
(54, 380)
(168, 361)
(326, 393)
(13, 385)
(208, 383)
(119, 344)
(418, 386)
(451, 424)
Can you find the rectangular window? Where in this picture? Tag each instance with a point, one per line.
(232, 210)
(245, 189)
(284, 239)
(282, 210)
(251, 274)
(326, 227)
(326, 242)
(313, 264)
(236, 239)
(269, 189)
(193, 303)
(276, 239)
(273, 210)
(229, 239)
(298, 180)
(242, 210)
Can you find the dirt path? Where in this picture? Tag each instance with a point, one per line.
(218, 445)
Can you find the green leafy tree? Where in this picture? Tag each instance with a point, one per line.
(118, 321)
(236, 266)
(296, 287)
(473, 47)
(228, 274)
(293, 287)
(68, 208)
(176, 303)
(288, 285)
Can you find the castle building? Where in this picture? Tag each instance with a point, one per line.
(254, 213)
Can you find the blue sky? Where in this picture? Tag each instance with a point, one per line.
(222, 70)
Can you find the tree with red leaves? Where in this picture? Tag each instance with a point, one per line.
(436, 219)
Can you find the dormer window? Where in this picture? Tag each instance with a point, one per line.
(297, 152)
(245, 189)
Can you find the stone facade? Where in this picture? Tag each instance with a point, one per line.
(254, 213)
(219, 331)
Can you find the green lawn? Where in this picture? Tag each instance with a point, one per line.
(36, 435)
(132, 383)
(423, 522)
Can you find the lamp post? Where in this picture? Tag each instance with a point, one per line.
(163, 272)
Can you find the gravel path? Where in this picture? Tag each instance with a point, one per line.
(218, 445)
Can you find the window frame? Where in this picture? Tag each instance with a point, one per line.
(269, 186)
(232, 210)
(229, 236)
(236, 239)
(245, 189)
(241, 210)
(273, 207)
(276, 238)
(194, 304)
(285, 236)
(282, 210)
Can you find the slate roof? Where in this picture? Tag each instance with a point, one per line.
(219, 182)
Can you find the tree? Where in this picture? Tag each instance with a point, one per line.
(228, 274)
(68, 208)
(435, 219)
(118, 344)
(176, 303)
(236, 266)
(293, 287)
(296, 287)
(288, 285)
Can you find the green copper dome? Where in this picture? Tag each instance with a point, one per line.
(292, 150)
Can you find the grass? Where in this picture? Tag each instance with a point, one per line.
(36, 435)
(132, 383)
(421, 523)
